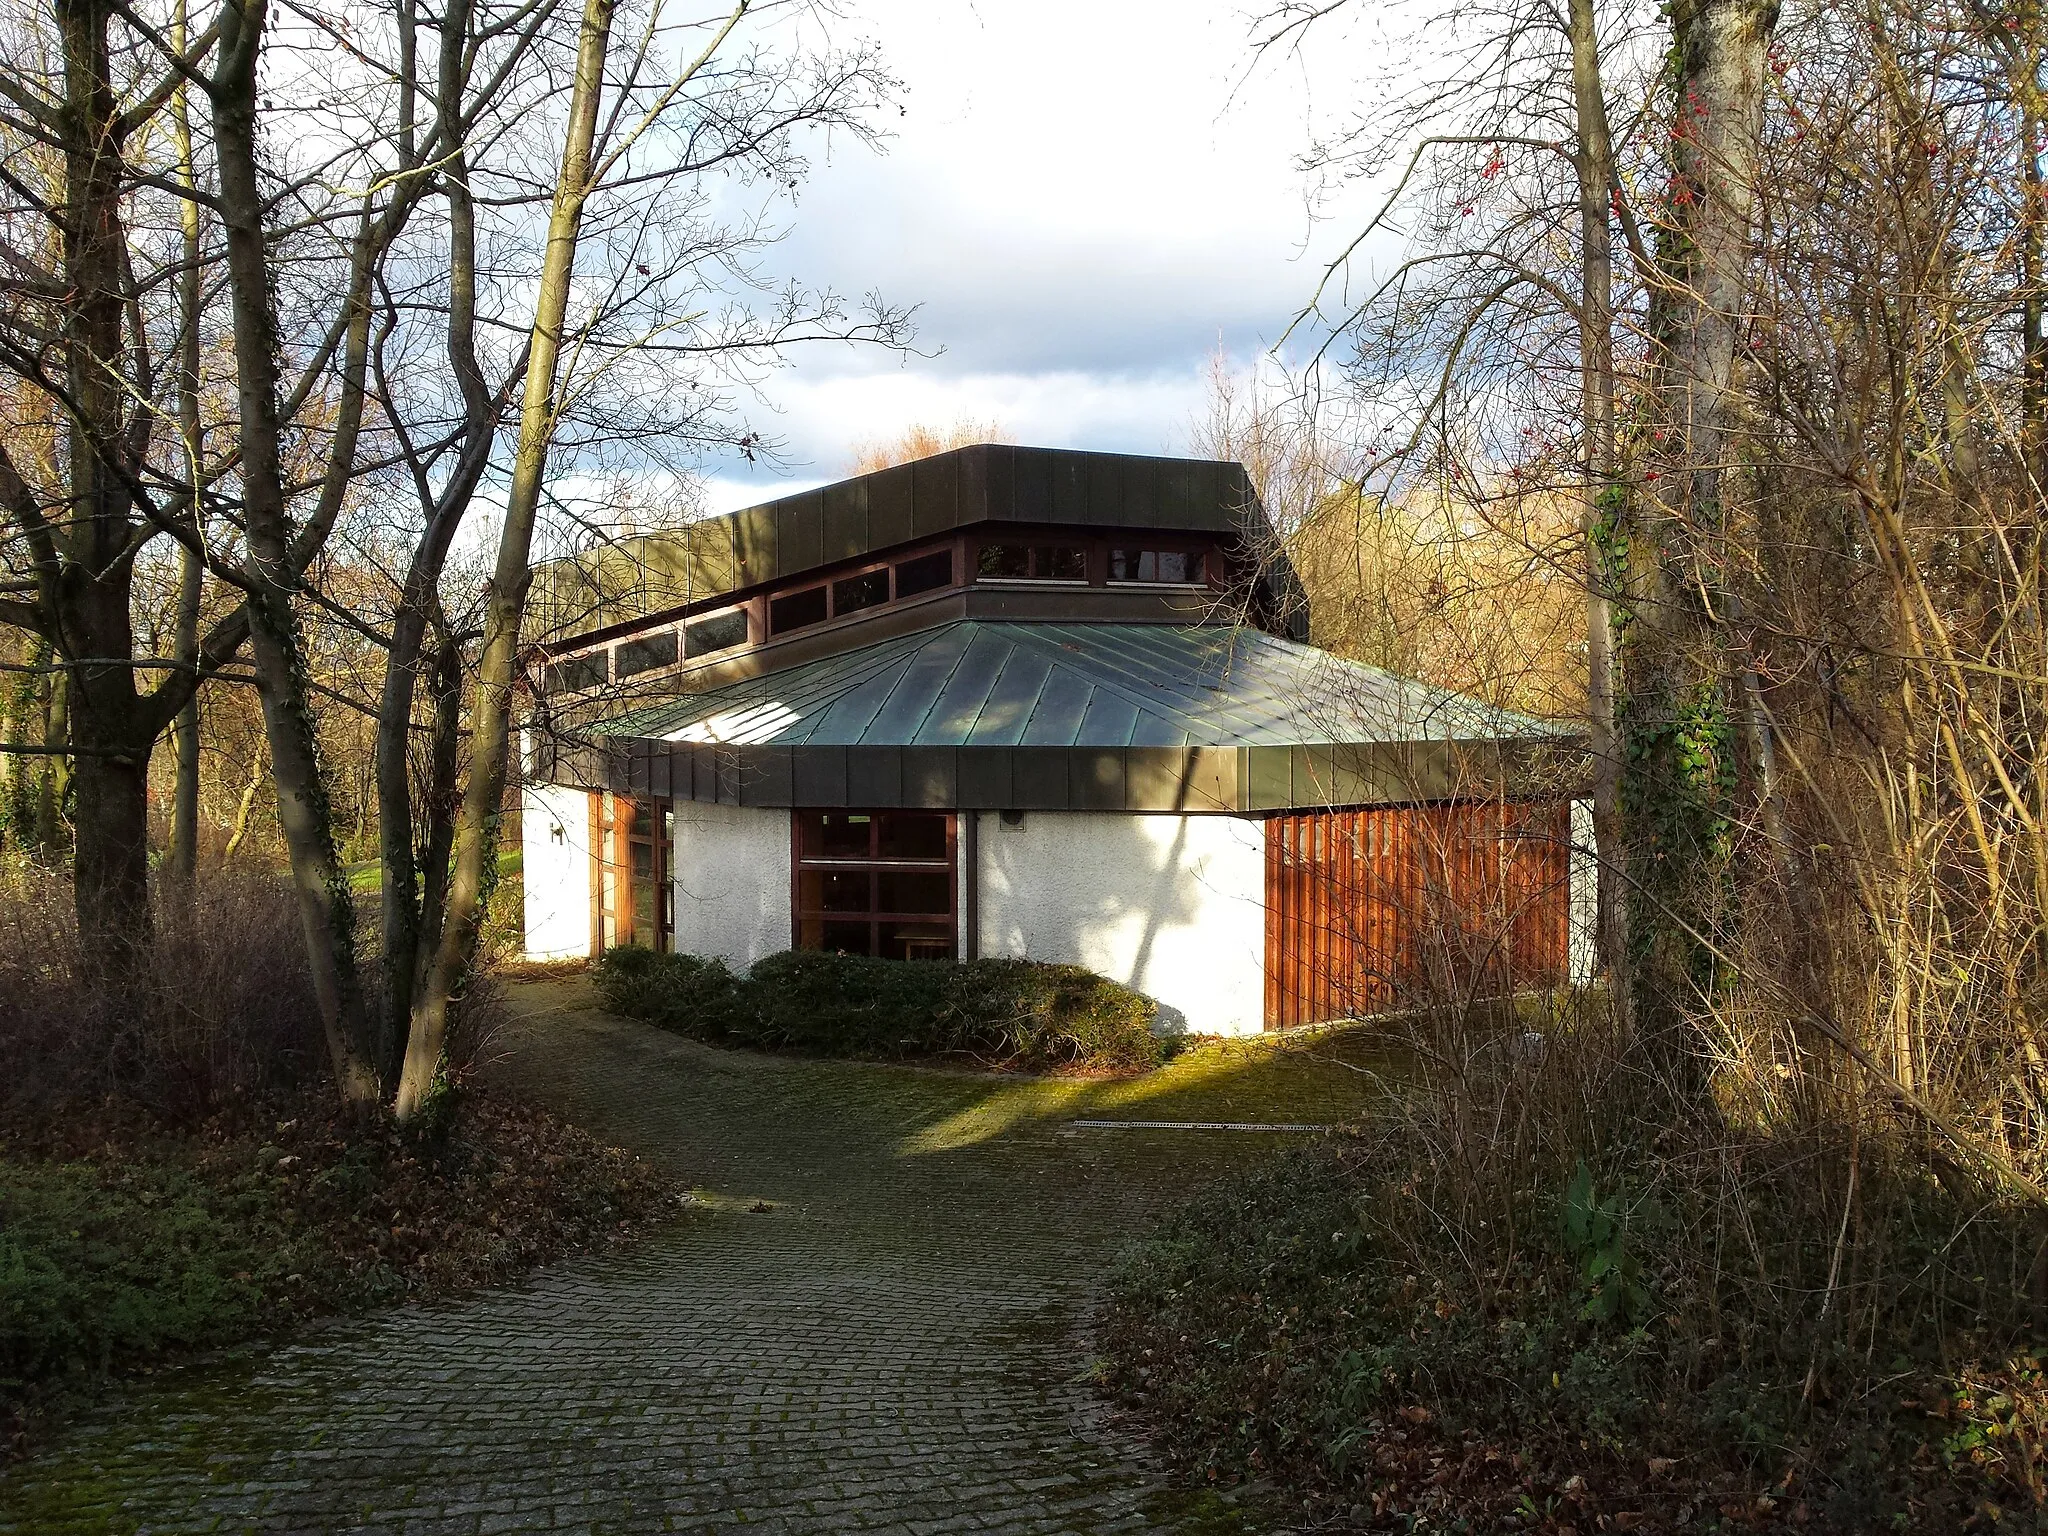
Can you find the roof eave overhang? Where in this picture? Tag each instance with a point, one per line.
(1215, 780)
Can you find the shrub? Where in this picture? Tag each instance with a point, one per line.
(103, 1265)
(679, 992)
(1051, 1015)
(1015, 1012)
(153, 1246)
(223, 1009)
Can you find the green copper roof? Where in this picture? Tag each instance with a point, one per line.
(975, 683)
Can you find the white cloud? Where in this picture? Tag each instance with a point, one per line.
(1084, 197)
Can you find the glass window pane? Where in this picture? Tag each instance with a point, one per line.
(719, 632)
(579, 673)
(853, 593)
(644, 655)
(1064, 562)
(833, 890)
(913, 835)
(836, 834)
(1005, 560)
(915, 941)
(640, 817)
(846, 938)
(927, 573)
(1175, 565)
(794, 610)
(643, 860)
(914, 891)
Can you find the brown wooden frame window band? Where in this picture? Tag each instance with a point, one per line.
(874, 586)
(876, 882)
(631, 897)
(1152, 564)
(1028, 559)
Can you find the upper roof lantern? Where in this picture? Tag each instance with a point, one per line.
(633, 578)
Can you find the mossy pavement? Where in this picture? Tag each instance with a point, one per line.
(873, 1319)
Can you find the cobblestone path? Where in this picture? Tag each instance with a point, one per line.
(894, 1345)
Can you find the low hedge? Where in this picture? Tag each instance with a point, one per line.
(1016, 1012)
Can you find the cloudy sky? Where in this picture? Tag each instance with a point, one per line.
(1086, 199)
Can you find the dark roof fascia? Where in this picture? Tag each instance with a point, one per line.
(1187, 780)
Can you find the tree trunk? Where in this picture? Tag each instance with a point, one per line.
(1599, 504)
(505, 603)
(2026, 23)
(1679, 769)
(444, 794)
(53, 783)
(110, 858)
(97, 703)
(305, 812)
(181, 858)
(408, 945)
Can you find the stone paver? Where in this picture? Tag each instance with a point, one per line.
(895, 1346)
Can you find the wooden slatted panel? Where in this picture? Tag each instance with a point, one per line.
(1368, 910)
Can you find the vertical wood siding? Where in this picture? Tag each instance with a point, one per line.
(1371, 910)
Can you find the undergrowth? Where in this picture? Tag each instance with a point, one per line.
(1010, 1012)
(175, 1174)
(131, 1247)
(1456, 1318)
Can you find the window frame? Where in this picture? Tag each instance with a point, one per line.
(612, 881)
(1035, 547)
(1113, 547)
(873, 865)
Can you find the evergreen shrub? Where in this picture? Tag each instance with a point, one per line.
(1020, 1013)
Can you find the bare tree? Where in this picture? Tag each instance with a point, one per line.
(665, 127)
(920, 441)
(1488, 345)
(82, 291)
(676, 320)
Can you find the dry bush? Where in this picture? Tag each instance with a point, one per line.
(223, 1009)
(1481, 601)
(1522, 1288)
(920, 441)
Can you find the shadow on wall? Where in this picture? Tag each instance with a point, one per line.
(1171, 906)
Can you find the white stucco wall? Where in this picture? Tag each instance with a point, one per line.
(731, 868)
(1173, 906)
(555, 846)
